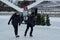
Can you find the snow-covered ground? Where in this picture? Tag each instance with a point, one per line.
(40, 32)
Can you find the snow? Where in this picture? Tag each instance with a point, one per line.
(39, 33)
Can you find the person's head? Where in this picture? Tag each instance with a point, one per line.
(25, 8)
(17, 13)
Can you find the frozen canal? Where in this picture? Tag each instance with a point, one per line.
(40, 32)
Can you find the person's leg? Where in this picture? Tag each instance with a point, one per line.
(31, 31)
(26, 30)
(16, 30)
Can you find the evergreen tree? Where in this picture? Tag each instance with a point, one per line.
(43, 20)
(38, 22)
(47, 20)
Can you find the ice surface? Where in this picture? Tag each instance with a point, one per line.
(40, 32)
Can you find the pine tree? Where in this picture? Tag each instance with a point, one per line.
(47, 20)
(43, 20)
(38, 22)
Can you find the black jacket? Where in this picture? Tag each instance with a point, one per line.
(15, 19)
(31, 20)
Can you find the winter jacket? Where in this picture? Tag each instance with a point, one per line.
(15, 19)
(31, 20)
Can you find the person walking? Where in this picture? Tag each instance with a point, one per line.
(15, 20)
(30, 23)
(25, 13)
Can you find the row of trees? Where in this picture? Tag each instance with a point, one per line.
(43, 20)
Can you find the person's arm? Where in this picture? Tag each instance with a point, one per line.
(10, 19)
(19, 20)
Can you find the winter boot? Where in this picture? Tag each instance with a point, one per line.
(31, 35)
(17, 36)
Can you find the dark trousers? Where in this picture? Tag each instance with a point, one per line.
(30, 30)
(15, 29)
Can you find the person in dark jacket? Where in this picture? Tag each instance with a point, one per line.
(30, 24)
(16, 20)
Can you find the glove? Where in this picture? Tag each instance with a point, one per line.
(19, 24)
(8, 23)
